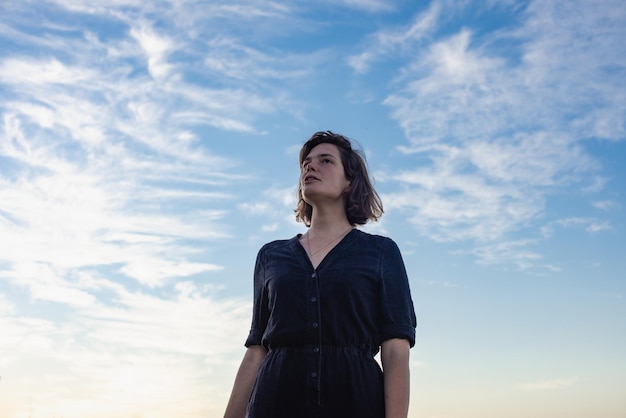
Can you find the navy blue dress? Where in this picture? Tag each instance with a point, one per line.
(322, 327)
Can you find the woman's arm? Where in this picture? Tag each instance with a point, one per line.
(394, 355)
(242, 388)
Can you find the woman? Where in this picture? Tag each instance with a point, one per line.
(326, 301)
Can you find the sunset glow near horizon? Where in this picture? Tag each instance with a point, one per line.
(148, 150)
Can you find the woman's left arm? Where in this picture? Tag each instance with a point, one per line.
(394, 355)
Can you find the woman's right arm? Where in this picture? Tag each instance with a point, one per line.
(242, 388)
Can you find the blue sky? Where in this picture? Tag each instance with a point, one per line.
(148, 149)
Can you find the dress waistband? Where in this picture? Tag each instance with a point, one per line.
(326, 349)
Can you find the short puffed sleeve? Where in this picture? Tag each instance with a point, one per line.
(397, 319)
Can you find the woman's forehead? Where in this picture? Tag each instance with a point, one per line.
(324, 149)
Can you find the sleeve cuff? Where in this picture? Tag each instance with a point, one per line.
(406, 332)
(254, 338)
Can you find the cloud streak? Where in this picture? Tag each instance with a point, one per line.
(549, 384)
(107, 188)
(396, 42)
(499, 134)
(137, 355)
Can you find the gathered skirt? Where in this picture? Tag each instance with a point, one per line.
(344, 382)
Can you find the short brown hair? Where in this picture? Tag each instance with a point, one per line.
(362, 203)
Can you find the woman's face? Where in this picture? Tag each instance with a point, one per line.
(322, 174)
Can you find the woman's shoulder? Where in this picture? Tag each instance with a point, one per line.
(374, 238)
(279, 244)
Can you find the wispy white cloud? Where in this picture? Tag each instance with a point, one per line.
(41, 72)
(605, 205)
(591, 225)
(369, 5)
(71, 208)
(509, 252)
(498, 132)
(232, 59)
(275, 207)
(156, 47)
(398, 41)
(549, 384)
(140, 354)
(92, 150)
(106, 185)
(599, 226)
(6, 307)
(452, 203)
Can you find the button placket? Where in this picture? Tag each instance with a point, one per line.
(314, 331)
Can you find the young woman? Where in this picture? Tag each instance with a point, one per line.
(326, 302)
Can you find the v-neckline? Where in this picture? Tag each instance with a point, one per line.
(332, 249)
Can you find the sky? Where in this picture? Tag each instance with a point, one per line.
(148, 149)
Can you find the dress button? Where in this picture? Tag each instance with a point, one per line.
(316, 349)
(313, 374)
(314, 324)
(314, 275)
(313, 299)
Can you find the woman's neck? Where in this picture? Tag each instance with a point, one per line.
(328, 223)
